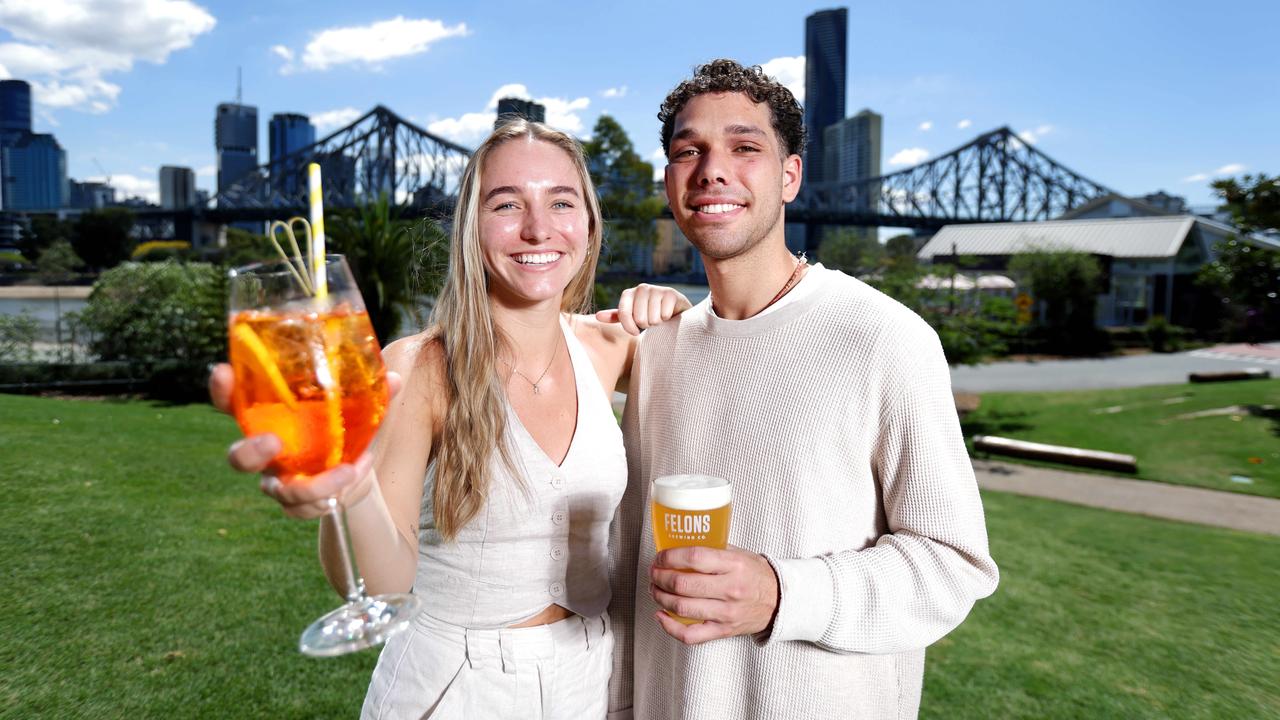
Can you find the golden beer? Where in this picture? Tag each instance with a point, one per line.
(690, 510)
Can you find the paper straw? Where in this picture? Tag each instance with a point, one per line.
(317, 232)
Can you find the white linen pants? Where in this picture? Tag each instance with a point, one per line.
(441, 671)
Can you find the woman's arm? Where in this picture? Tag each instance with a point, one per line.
(383, 512)
(610, 336)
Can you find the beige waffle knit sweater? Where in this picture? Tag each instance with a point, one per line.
(832, 416)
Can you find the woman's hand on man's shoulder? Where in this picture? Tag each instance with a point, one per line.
(645, 306)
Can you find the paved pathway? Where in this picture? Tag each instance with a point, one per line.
(1173, 502)
(1114, 372)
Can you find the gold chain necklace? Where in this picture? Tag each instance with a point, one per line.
(537, 390)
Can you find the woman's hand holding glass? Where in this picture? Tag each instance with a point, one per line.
(254, 454)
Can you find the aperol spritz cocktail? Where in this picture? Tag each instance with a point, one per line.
(309, 370)
(312, 377)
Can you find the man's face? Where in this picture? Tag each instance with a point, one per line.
(727, 177)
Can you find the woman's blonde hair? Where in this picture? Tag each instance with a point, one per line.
(475, 423)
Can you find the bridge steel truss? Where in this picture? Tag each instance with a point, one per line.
(378, 153)
(997, 177)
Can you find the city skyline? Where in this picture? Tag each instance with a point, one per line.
(1138, 101)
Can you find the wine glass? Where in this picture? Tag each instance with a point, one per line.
(308, 369)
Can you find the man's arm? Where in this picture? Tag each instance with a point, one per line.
(913, 586)
(919, 581)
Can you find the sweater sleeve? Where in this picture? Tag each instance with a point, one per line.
(921, 578)
(624, 551)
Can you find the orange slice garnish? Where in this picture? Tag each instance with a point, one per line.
(257, 358)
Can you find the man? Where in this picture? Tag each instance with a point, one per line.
(858, 535)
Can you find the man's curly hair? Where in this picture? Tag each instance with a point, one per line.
(725, 75)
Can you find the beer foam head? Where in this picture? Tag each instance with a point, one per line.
(692, 492)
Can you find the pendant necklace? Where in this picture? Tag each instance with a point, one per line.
(537, 390)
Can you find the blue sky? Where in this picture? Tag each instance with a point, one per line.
(1136, 95)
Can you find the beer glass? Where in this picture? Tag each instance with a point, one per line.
(690, 510)
(309, 370)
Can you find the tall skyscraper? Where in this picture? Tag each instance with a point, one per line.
(825, 59)
(35, 173)
(33, 166)
(15, 108)
(851, 147)
(235, 135)
(288, 133)
(509, 108)
(177, 187)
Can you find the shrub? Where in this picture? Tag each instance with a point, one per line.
(162, 315)
(1164, 336)
(17, 337)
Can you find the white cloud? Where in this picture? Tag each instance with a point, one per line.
(371, 44)
(470, 128)
(963, 124)
(1230, 169)
(563, 114)
(789, 71)
(208, 171)
(1031, 137)
(128, 186)
(926, 126)
(659, 160)
(65, 47)
(473, 127)
(510, 90)
(334, 119)
(614, 92)
(909, 156)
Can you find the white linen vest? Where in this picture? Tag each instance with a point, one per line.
(528, 549)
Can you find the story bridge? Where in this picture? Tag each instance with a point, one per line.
(997, 177)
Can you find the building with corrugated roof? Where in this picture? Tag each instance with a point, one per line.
(1148, 262)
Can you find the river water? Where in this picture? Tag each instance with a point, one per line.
(47, 311)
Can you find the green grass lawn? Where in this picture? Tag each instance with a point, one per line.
(145, 579)
(1152, 424)
(1107, 615)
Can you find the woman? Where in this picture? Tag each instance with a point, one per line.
(504, 410)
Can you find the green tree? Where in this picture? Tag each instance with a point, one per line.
(900, 251)
(855, 251)
(628, 201)
(18, 338)
(245, 248)
(42, 232)
(1253, 201)
(1066, 283)
(102, 237)
(57, 263)
(394, 261)
(1244, 279)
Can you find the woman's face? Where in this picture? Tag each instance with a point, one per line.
(533, 222)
